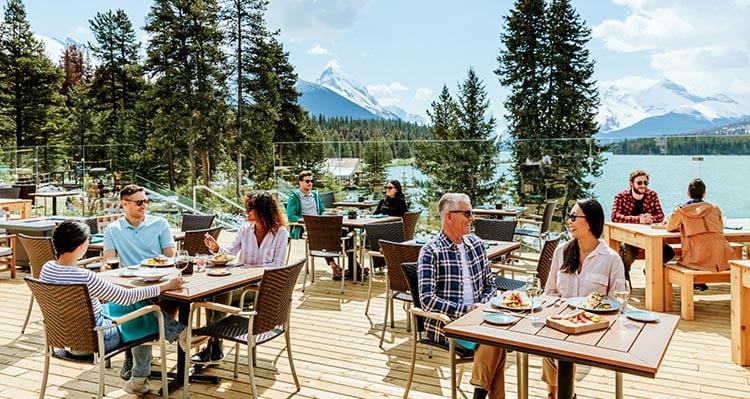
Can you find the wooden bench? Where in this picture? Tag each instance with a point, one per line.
(686, 278)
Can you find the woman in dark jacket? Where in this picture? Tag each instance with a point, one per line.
(394, 203)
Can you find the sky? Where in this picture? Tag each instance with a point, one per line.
(405, 51)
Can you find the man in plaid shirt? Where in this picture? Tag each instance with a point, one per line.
(638, 204)
(454, 278)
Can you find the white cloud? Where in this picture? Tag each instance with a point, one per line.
(422, 94)
(701, 45)
(388, 94)
(317, 49)
(314, 19)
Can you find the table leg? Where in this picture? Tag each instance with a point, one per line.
(618, 385)
(654, 294)
(565, 379)
(522, 374)
(740, 314)
(54, 206)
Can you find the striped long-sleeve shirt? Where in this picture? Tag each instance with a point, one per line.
(99, 289)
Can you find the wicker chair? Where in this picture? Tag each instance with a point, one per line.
(268, 320)
(193, 242)
(542, 267)
(537, 227)
(39, 251)
(196, 222)
(391, 231)
(396, 286)
(457, 355)
(327, 199)
(324, 240)
(8, 254)
(69, 324)
(410, 224)
(495, 229)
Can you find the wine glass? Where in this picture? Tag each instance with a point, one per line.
(181, 261)
(533, 291)
(622, 293)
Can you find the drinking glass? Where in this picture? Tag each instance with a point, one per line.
(113, 262)
(201, 261)
(622, 293)
(181, 261)
(533, 291)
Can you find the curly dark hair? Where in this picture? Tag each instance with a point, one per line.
(267, 208)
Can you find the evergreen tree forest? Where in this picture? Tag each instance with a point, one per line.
(552, 102)
(213, 93)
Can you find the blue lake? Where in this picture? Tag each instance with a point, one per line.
(724, 176)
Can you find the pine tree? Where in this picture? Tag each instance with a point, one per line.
(553, 101)
(267, 106)
(118, 81)
(29, 83)
(184, 57)
(460, 159)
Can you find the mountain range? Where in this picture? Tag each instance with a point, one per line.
(664, 108)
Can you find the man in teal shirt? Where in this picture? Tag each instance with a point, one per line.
(134, 238)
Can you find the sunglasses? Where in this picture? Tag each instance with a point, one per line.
(308, 181)
(641, 183)
(573, 217)
(138, 202)
(389, 187)
(467, 214)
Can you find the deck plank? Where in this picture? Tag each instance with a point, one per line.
(337, 356)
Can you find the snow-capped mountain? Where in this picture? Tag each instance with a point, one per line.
(54, 48)
(662, 109)
(335, 94)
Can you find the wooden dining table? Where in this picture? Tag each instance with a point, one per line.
(197, 287)
(740, 313)
(22, 206)
(651, 240)
(632, 347)
(495, 249)
(355, 204)
(510, 212)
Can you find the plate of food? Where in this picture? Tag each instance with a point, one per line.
(128, 272)
(577, 322)
(499, 318)
(158, 261)
(641, 315)
(594, 302)
(514, 301)
(222, 259)
(151, 274)
(218, 272)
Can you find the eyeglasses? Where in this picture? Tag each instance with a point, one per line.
(389, 187)
(467, 214)
(573, 217)
(138, 202)
(642, 183)
(308, 181)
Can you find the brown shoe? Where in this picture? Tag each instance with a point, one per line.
(336, 271)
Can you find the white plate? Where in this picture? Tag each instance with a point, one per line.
(128, 273)
(580, 303)
(218, 272)
(168, 263)
(152, 274)
(497, 302)
(499, 318)
(641, 315)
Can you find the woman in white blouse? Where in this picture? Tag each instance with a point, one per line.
(262, 241)
(580, 266)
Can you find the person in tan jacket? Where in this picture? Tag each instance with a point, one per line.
(701, 229)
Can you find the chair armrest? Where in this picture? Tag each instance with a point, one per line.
(430, 315)
(349, 235)
(7, 236)
(87, 261)
(219, 307)
(138, 313)
(509, 268)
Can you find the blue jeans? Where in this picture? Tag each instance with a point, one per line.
(142, 353)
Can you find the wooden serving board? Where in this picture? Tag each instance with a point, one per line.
(569, 327)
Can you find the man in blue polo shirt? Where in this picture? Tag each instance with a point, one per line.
(136, 237)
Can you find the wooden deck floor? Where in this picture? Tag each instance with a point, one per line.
(337, 356)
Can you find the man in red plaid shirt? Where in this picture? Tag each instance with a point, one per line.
(638, 204)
